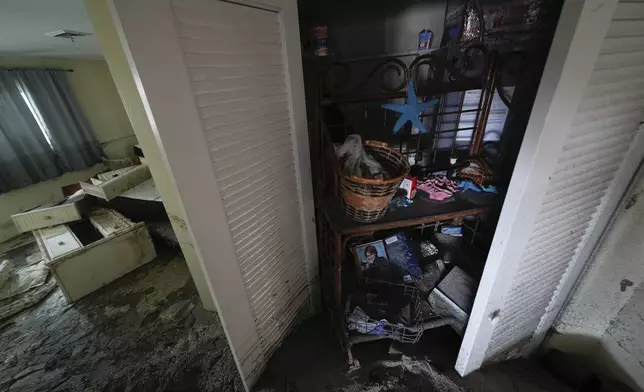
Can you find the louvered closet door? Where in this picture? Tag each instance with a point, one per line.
(599, 153)
(236, 66)
(222, 87)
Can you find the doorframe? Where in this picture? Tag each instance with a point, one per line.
(163, 85)
(575, 47)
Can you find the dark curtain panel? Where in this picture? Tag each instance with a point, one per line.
(26, 157)
(69, 131)
(43, 132)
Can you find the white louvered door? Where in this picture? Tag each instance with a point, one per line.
(223, 86)
(591, 150)
(237, 70)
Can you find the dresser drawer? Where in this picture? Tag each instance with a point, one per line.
(116, 185)
(46, 216)
(58, 240)
(86, 255)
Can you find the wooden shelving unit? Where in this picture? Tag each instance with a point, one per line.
(335, 229)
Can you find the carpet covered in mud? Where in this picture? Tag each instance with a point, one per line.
(148, 332)
(144, 332)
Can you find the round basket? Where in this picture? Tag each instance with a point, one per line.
(366, 199)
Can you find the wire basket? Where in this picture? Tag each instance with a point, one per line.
(395, 294)
(366, 199)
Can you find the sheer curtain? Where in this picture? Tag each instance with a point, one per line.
(43, 132)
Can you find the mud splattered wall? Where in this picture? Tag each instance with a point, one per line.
(605, 316)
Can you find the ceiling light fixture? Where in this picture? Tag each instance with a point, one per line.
(67, 34)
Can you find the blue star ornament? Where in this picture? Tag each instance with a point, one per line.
(411, 110)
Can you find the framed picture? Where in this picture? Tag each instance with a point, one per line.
(370, 255)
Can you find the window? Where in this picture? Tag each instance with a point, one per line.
(467, 104)
(35, 112)
(44, 132)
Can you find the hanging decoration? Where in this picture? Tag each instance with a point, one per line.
(411, 110)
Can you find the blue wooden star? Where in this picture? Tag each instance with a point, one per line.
(411, 110)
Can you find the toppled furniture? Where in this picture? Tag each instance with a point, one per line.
(68, 210)
(87, 255)
(111, 184)
(132, 180)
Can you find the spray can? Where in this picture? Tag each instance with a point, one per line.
(425, 38)
(320, 35)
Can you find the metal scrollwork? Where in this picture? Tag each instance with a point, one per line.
(429, 60)
(430, 72)
(339, 76)
(396, 65)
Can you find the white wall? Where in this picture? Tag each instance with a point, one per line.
(604, 319)
(361, 28)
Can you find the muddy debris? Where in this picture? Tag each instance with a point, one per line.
(145, 332)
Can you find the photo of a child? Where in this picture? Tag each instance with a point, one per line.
(372, 255)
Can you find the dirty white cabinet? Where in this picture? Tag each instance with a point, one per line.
(109, 247)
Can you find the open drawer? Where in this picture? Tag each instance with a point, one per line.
(111, 184)
(86, 255)
(68, 210)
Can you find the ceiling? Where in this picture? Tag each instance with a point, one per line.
(23, 24)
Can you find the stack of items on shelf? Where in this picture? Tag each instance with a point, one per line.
(474, 177)
(375, 178)
(438, 187)
(408, 284)
(86, 246)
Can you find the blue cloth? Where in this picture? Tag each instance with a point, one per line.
(467, 185)
(411, 110)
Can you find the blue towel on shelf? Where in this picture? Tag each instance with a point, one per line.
(468, 185)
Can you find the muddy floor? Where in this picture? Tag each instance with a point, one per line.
(310, 360)
(145, 332)
(148, 332)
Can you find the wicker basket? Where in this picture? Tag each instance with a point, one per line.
(366, 199)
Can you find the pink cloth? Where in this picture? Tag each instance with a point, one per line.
(438, 187)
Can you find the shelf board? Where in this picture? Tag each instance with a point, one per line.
(422, 211)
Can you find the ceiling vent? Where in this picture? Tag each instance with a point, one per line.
(67, 34)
